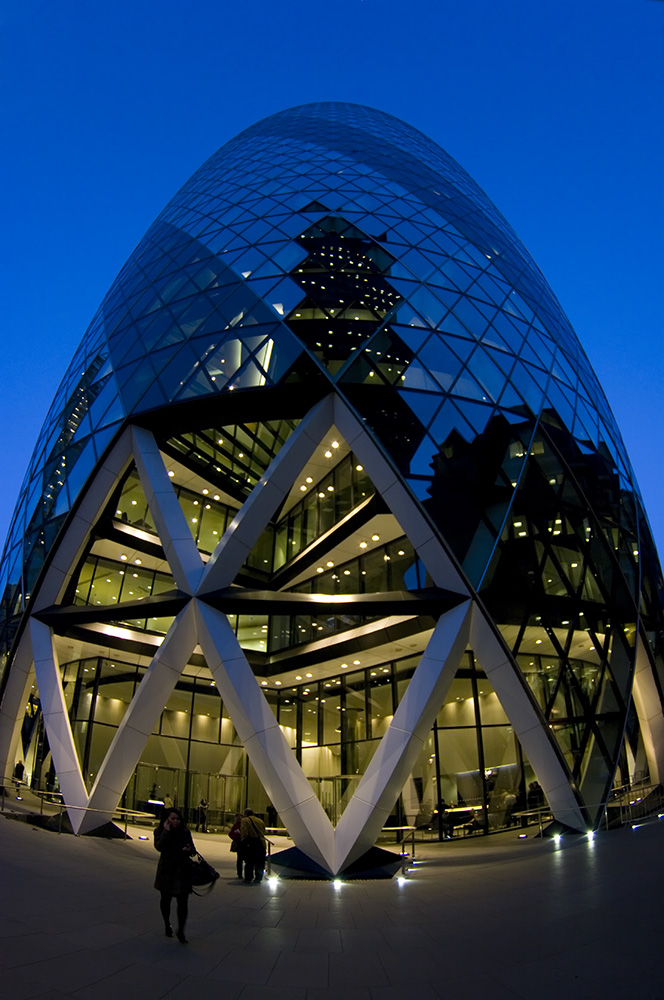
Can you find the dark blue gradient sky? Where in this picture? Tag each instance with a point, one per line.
(555, 107)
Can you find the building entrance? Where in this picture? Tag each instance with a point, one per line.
(153, 786)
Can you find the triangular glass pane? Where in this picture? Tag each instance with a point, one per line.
(440, 361)
(215, 468)
(332, 535)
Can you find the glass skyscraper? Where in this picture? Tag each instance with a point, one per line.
(330, 516)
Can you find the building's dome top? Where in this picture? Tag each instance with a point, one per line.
(225, 293)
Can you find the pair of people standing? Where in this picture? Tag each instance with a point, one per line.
(249, 845)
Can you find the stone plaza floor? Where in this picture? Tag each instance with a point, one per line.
(495, 917)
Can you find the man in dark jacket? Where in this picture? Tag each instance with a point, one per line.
(253, 846)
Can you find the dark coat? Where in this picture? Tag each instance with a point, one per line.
(234, 834)
(252, 842)
(173, 870)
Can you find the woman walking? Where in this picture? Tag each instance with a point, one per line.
(175, 844)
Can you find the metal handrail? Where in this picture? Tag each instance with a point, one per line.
(626, 799)
(62, 806)
(407, 832)
(120, 811)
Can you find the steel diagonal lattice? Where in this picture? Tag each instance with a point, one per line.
(266, 746)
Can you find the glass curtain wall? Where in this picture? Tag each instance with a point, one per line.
(470, 764)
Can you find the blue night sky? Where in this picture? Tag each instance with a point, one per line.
(553, 106)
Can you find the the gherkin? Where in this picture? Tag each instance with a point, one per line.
(330, 516)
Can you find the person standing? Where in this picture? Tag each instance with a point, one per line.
(201, 819)
(175, 845)
(235, 834)
(253, 846)
(510, 805)
(19, 771)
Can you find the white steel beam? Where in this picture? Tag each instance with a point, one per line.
(12, 708)
(649, 712)
(56, 721)
(141, 718)
(526, 722)
(268, 493)
(404, 739)
(280, 774)
(176, 538)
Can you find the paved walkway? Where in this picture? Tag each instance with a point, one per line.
(497, 918)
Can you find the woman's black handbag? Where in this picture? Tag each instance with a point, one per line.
(203, 875)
